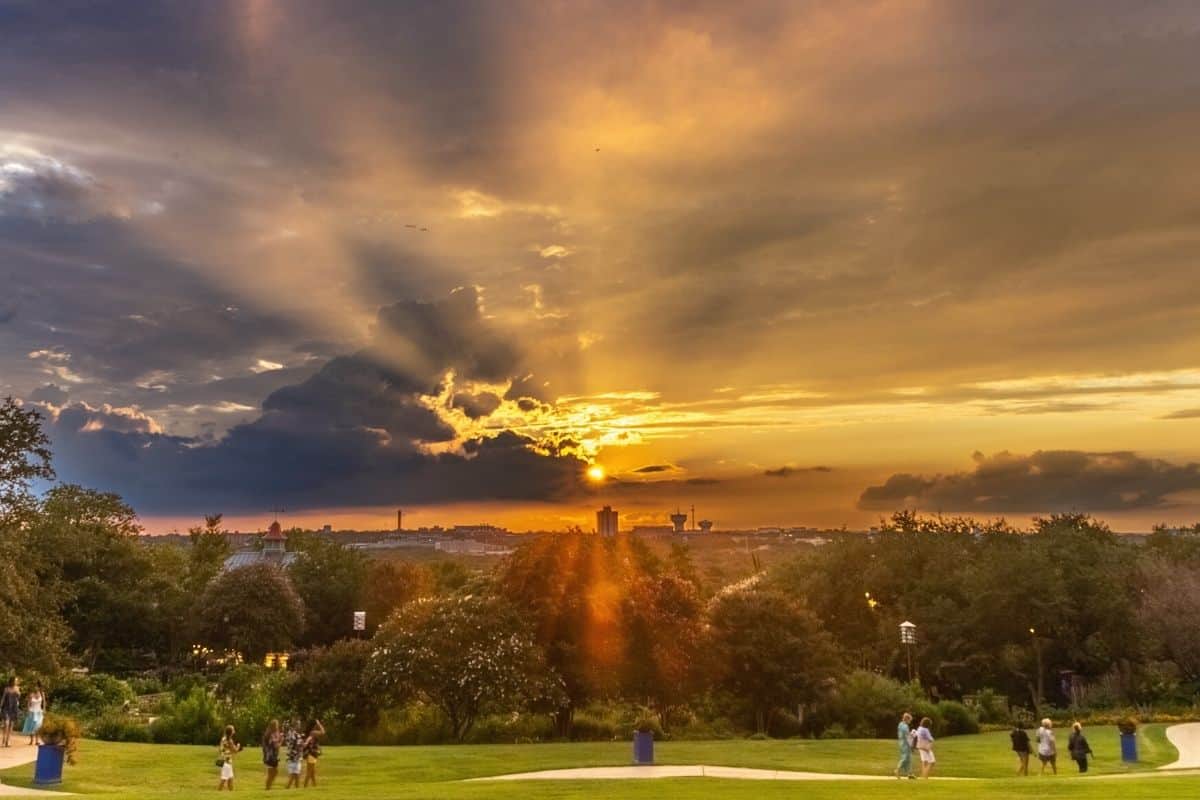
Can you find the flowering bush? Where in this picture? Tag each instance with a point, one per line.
(467, 655)
(60, 731)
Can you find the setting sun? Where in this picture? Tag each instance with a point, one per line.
(595, 472)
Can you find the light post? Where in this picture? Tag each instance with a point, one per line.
(1037, 651)
(908, 637)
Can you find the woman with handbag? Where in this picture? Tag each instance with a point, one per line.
(312, 751)
(226, 750)
(925, 747)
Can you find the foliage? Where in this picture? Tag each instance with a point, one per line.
(24, 458)
(194, 719)
(117, 726)
(391, 584)
(869, 705)
(89, 695)
(465, 655)
(329, 579)
(1127, 725)
(253, 610)
(768, 651)
(956, 718)
(61, 731)
(327, 684)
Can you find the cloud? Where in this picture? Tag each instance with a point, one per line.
(37, 186)
(1044, 481)
(655, 468)
(362, 430)
(476, 406)
(1186, 413)
(787, 472)
(50, 393)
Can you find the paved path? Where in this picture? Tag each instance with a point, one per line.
(19, 754)
(692, 771)
(1186, 738)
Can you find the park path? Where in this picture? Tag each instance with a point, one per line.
(1186, 738)
(19, 754)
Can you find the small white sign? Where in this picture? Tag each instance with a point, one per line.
(360, 620)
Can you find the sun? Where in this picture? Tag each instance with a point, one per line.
(595, 472)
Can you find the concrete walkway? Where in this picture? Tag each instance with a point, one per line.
(20, 754)
(1186, 738)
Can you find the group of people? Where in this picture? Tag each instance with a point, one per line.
(921, 740)
(10, 711)
(300, 745)
(1047, 747)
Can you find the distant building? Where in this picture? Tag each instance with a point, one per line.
(606, 521)
(274, 551)
(471, 547)
(679, 519)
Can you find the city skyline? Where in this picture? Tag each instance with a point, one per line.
(518, 262)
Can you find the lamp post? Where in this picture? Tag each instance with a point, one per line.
(908, 637)
(1037, 651)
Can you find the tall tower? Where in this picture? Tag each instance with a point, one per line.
(399, 520)
(679, 519)
(606, 521)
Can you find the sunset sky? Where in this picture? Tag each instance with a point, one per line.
(794, 263)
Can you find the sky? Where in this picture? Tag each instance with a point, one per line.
(793, 263)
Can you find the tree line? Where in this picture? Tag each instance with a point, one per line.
(1063, 614)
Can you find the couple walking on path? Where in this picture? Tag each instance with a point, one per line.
(10, 711)
(920, 740)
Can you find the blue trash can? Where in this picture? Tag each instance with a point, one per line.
(643, 748)
(47, 770)
(1129, 747)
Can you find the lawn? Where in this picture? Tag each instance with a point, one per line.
(153, 771)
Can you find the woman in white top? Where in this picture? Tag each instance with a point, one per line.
(1047, 748)
(925, 747)
(35, 710)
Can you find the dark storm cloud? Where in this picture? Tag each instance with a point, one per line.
(1045, 481)
(787, 472)
(352, 433)
(653, 468)
(476, 406)
(50, 393)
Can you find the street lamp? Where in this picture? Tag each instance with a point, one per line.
(908, 637)
(1037, 651)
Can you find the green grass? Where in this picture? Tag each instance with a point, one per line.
(154, 771)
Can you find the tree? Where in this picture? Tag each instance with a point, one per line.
(768, 651)
(210, 548)
(662, 619)
(571, 590)
(467, 655)
(110, 592)
(329, 579)
(253, 610)
(328, 684)
(24, 458)
(1170, 604)
(391, 584)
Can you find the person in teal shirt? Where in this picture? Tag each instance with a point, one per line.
(904, 740)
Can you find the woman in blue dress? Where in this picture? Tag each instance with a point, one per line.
(35, 711)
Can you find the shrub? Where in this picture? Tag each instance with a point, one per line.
(182, 685)
(1127, 725)
(871, 704)
(89, 695)
(957, 719)
(60, 731)
(114, 726)
(146, 685)
(835, 731)
(196, 719)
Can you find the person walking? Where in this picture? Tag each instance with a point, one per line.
(1047, 748)
(10, 709)
(293, 742)
(227, 749)
(925, 747)
(312, 751)
(272, 739)
(35, 711)
(904, 742)
(1078, 747)
(1020, 746)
